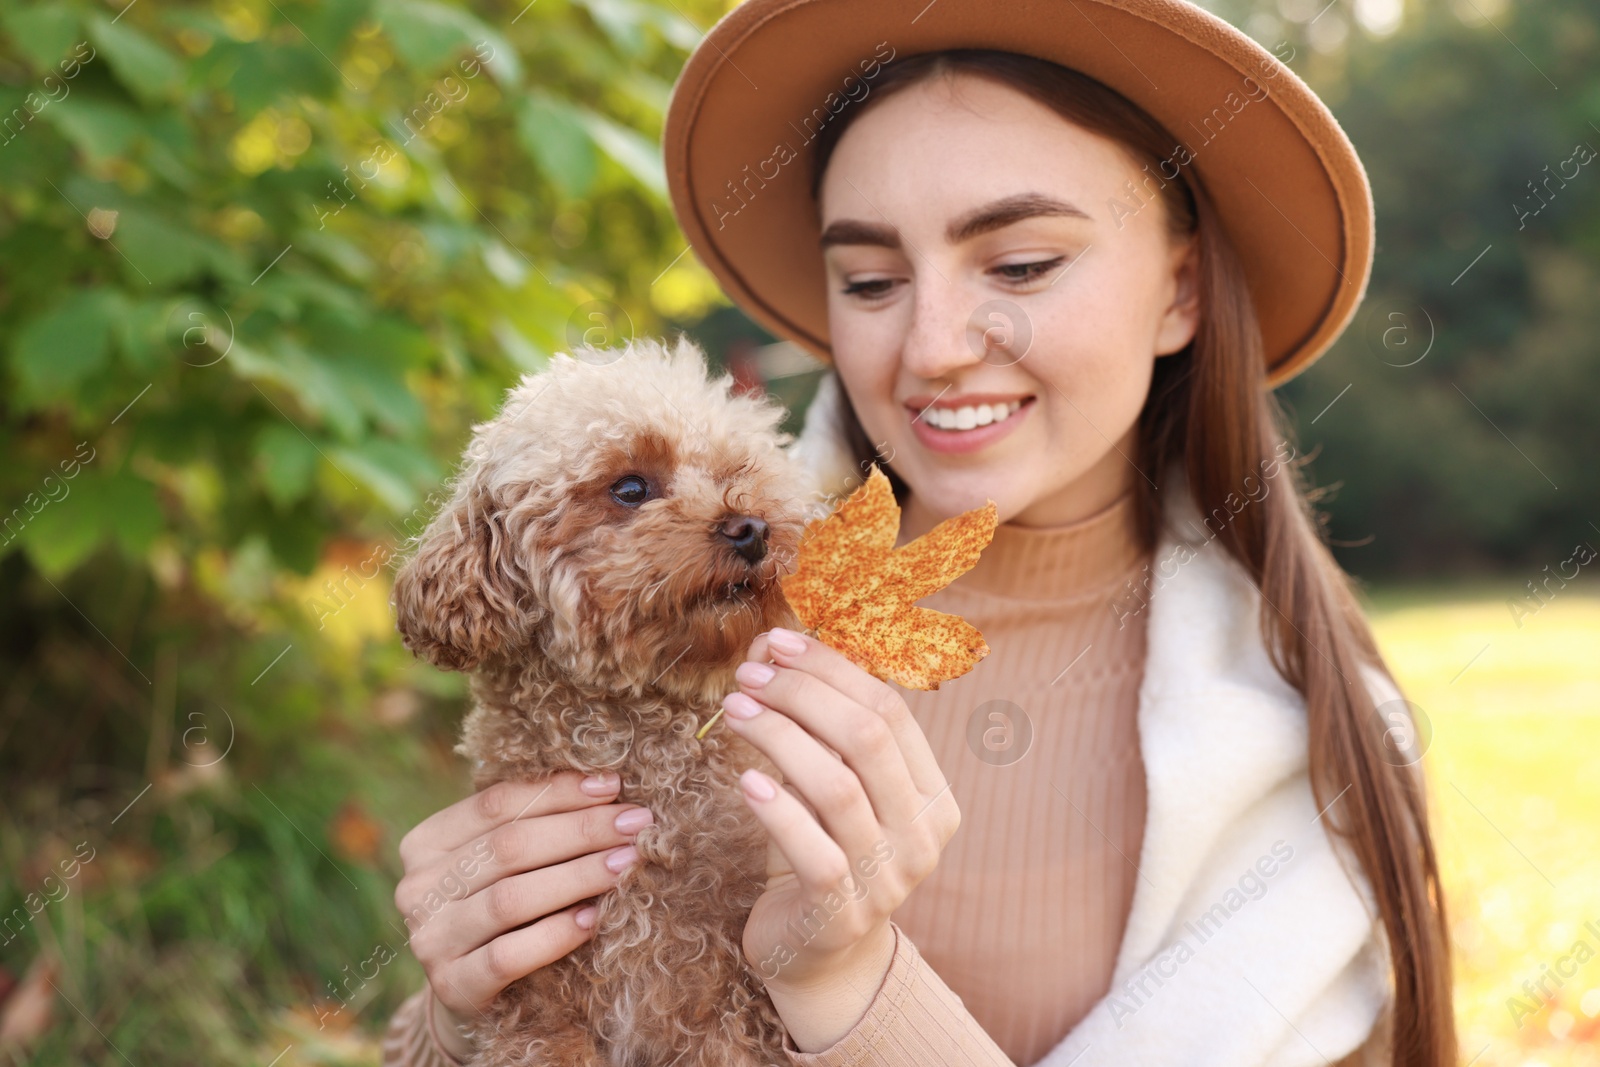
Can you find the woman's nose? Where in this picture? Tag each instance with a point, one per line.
(951, 329)
(942, 336)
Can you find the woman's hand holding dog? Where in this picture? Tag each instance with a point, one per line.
(478, 872)
(869, 823)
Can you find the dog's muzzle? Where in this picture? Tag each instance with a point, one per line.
(746, 535)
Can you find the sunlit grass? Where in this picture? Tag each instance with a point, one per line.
(1514, 767)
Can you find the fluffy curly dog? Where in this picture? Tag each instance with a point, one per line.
(611, 549)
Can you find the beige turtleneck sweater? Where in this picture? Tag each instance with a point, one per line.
(1013, 937)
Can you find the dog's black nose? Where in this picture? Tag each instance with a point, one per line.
(748, 536)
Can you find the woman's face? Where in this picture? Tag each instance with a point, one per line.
(955, 282)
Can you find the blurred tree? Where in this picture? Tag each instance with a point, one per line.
(1467, 436)
(265, 263)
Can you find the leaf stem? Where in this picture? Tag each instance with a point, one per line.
(702, 731)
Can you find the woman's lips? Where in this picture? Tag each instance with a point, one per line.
(957, 441)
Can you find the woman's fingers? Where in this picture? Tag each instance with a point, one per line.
(835, 669)
(815, 857)
(527, 844)
(471, 817)
(828, 664)
(915, 812)
(496, 884)
(863, 738)
(832, 787)
(466, 985)
(521, 898)
(456, 904)
(512, 848)
(474, 875)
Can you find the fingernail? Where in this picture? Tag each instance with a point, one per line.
(757, 785)
(584, 917)
(754, 674)
(786, 641)
(598, 785)
(740, 706)
(622, 857)
(634, 819)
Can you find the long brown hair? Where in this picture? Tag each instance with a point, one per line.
(1209, 411)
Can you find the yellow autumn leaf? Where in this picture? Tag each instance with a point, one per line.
(856, 592)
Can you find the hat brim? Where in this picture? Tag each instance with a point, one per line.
(1285, 180)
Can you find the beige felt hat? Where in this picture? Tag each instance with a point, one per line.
(1285, 179)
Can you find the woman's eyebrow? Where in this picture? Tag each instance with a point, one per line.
(1005, 211)
(991, 216)
(856, 232)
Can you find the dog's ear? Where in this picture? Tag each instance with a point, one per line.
(460, 597)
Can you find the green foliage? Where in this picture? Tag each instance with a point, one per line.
(266, 262)
(55, 352)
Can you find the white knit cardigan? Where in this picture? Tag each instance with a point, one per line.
(1247, 943)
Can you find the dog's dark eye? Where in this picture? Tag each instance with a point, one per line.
(631, 490)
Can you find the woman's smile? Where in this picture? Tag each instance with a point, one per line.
(965, 424)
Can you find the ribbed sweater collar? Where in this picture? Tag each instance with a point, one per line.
(1082, 558)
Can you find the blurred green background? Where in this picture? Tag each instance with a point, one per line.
(262, 265)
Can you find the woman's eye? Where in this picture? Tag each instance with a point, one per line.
(1027, 272)
(630, 490)
(1015, 273)
(871, 290)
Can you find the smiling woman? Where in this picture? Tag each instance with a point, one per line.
(1128, 356)
(1003, 322)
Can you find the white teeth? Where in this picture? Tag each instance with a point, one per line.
(965, 418)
